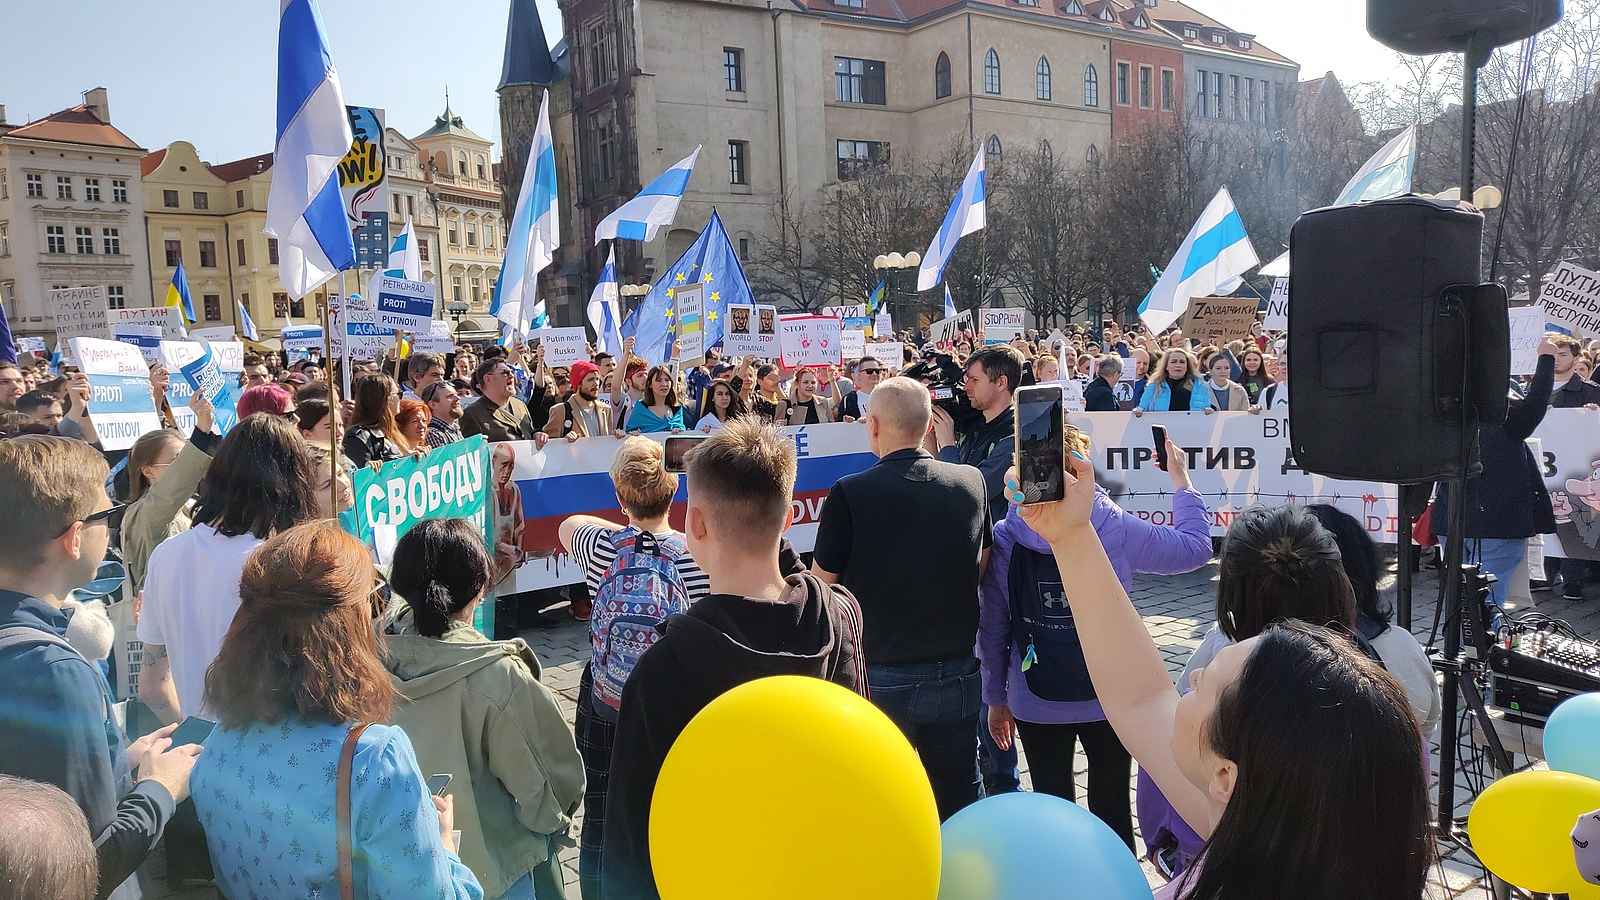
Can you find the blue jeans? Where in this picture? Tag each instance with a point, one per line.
(1498, 557)
(543, 883)
(936, 704)
(998, 767)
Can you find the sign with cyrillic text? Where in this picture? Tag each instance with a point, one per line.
(1218, 320)
(166, 318)
(1278, 306)
(891, 353)
(852, 343)
(80, 312)
(1571, 300)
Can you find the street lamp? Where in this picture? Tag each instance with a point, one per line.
(456, 309)
(890, 264)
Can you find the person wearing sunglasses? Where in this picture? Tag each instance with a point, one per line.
(869, 373)
(56, 725)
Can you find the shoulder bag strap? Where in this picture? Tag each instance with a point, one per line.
(347, 883)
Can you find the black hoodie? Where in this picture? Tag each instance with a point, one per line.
(721, 642)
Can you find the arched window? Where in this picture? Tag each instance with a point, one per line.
(1041, 79)
(1045, 150)
(1093, 156)
(991, 72)
(941, 76)
(1091, 86)
(993, 151)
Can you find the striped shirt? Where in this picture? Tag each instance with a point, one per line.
(591, 546)
(441, 432)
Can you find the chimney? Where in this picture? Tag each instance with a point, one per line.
(2, 114)
(98, 103)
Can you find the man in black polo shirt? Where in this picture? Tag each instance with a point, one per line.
(907, 538)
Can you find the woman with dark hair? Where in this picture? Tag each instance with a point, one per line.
(767, 392)
(262, 481)
(722, 405)
(312, 419)
(1247, 756)
(1255, 378)
(163, 472)
(659, 409)
(477, 710)
(159, 379)
(374, 436)
(297, 685)
(1396, 647)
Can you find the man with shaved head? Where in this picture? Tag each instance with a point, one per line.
(907, 537)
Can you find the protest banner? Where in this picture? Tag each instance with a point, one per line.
(689, 305)
(439, 339)
(364, 169)
(450, 482)
(203, 374)
(1277, 306)
(34, 345)
(1001, 325)
(563, 346)
(1569, 457)
(891, 353)
(228, 357)
(1571, 300)
(214, 333)
(809, 340)
(80, 312)
(1527, 330)
(1218, 320)
(1072, 395)
(144, 336)
(301, 337)
(751, 331)
(404, 305)
(167, 318)
(120, 404)
(883, 326)
(945, 329)
(852, 343)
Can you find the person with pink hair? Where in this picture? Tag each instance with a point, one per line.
(268, 398)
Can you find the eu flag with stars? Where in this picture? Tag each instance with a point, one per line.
(711, 261)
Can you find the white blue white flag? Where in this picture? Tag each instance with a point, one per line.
(1387, 174)
(247, 325)
(604, 315)
(963, 218)
(305, 210)
(1214, 253)
(535, 231)
(949, 304)
(655, 206)
(405, 260)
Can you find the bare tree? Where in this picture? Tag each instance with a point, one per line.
(1048, 207)
(979, 266)
(882, 209)
(785, 270)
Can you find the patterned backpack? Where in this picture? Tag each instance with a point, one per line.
(638, 591)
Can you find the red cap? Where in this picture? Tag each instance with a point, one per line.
(581, 370)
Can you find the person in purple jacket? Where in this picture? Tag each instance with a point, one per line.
(1035, 680)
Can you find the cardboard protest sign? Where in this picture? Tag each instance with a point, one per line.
(439, 339)
(33, 345)
(945, 329)
(563, 346)
(120, 404)
(883, 326)
(751, 331)
(891, 353)
(214, 333)
(1527, 329)
(809, 340)
(146, 337)
(80, 312)
(1001, 325)
(302, 337)
(1571, 300)
(1277, 307)
(228, 359)
(1072, 395)
(1218, 320)
(166, 318)
(852, 343)
(203, 374)
(689, 305)
(404, 305)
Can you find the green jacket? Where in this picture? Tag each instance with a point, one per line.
(162, 512)
(475, 708)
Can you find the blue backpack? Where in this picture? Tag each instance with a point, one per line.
(637, 592)
(1042, 626)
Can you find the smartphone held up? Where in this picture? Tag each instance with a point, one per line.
(1040, 445)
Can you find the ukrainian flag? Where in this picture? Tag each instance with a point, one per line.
(178, 294)
(875, 299)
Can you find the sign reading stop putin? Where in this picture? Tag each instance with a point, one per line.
(809, 340)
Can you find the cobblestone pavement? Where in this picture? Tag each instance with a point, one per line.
(1177, 610)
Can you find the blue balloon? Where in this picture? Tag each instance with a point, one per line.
(1032, 846)
(1572, 736)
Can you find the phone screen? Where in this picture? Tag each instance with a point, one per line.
(1160, 435)
(1041, 459)
(677, 447)
(194, 730)
(438, 783)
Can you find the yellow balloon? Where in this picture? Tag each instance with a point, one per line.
(1521, 827)
(791, 787)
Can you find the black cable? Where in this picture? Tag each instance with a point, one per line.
(1524, 76)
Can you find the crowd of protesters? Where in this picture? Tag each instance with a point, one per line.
(335, 691)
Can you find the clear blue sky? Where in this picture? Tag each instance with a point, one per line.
(204, 70)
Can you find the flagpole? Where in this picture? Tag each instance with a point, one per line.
(333, 397)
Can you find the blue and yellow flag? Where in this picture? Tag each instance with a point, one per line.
(875, 299)
(178, 294)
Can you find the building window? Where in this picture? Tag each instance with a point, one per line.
(397, 204)
(472, 234)
(174, 252)
(1027, 2)
(455, 288)
(483, 170)
(738, 162)
(202, 200)
(1091, 86)
(733, 69)
(1244, 43)
(297, 308)
(238, 199)
(852, 4)
(63, 187)
(859, 80)
(238, 251)
(422, 249)
(856, 158)
(488, 236)
(1147, 88)
(169, 199)
(119, 190)
(280, 305)
(605, 133)
(1233, 91)
(744, 249)
(1190, 33)
(85, 239)
(455, 235)
(991, 72)
(213, 307)
(477, 290)
(1202, 97)
(1041, 79)
(1250, 99)
(1093, 156)
(35, 186)
(992, 151)
(1217, 38)
(5, 188)
(91, 190)
(272, 251)
(461, 166)
(1216, 94)
(411, 205)
(1124, 75)
(5, 239)
(208, 254)
(116, 297)
(55, 238)
(1167, 89)
(112, 238)
(602, 56)
(941, 76)
(1071, 8)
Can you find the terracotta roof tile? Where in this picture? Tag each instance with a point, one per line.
(77, 125)
(151, 162)
(242, 168)
(1174, 14)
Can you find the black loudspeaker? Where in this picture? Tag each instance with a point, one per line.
(1420, 27)
(1397, 352)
